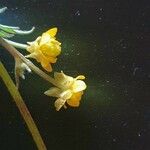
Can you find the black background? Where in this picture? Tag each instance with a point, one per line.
(108, 42)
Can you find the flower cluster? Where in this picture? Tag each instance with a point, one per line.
(45, 50)
(69, 90)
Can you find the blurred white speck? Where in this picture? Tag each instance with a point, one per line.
(114, 140)
(123, 66)
(77, 13)
(134, 71)
(101, 9)
(100, 19)
(124, 124)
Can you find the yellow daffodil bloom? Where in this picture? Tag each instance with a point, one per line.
(68, 90)
(45, 49)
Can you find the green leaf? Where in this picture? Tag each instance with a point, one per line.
(5, 34)
(7, 29)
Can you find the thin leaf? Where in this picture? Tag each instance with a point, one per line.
(12, 27)
(5, 34)
(7, 29)
(21, 32)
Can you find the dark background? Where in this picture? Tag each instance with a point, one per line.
(108, 42)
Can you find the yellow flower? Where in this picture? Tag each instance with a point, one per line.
(45, 49)
(68, 90)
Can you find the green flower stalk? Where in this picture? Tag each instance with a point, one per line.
(22, 108)
(7, 32)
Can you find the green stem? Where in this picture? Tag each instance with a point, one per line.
(22, 108)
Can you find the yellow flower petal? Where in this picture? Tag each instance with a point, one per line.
(74, 101)
(64, 80)
(81, 77)
(59, 103)
(54, 92)
(32, 55)
(66, 94)
(52, 32)
(78, 86)
(44, 39)
(59, 77)
(32, 48)
(50, 50)
(46, 65)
